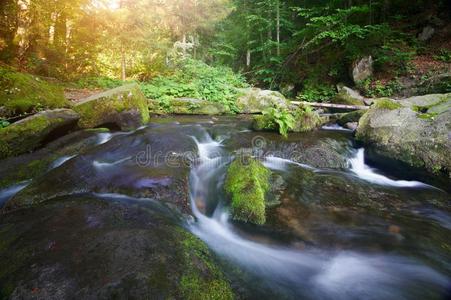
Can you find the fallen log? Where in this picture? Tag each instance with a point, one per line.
(330, 105)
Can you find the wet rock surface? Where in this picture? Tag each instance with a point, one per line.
(155, 164)
(91, 248)
(32, 132)
(125, 106)
(415, 131)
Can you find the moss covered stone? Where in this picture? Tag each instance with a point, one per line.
(30, 133)
(386, 103)
(188, 106)
(347, 96)
(254, 100)
(306, 120)
(248, 182)
(398, 131)
(194, 284)
(21, 93)
(350, 117)
(125, 106)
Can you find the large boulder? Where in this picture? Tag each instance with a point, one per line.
(415, 131)
(88, 247)
(125, 106)
(348, 96)
(362, 69)
(32, 132)
(22, 93)
(188, 106)
(254, 100)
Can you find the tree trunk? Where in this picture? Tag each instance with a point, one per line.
(329, 105)
(278, 27)
(123, 65)
(248, 58)
(184, 45)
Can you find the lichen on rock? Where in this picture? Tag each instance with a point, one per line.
(247, 183)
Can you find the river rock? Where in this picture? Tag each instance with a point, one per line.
(362, 69)
(254, 100)
(86, 247)
(32, 132)
(188, 106)
(352, 117)
(415, 131)
(348, 96)
(155, 165)
(125, 106)
(426, 34)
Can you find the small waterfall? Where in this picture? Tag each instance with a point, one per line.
(103, 138)
(9, 192)
(60, 161)
(308, 273)
(363, 171)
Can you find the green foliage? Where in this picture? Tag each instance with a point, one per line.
(377, 89)
(195, 79)
(395, 55)
(444, 55)
(385, 103)
(4, 123)
(306, 119)
(279, 118)
(248, 182)
(317, 93)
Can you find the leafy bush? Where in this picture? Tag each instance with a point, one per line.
(99, 82)
(195, 79)
(444, 55)
(317, 93)
(275, 118)
(378, 89)
(4, 123)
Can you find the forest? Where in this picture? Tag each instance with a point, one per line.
(225, 149)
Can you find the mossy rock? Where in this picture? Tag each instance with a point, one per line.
(22, 93)
(188, 106)
(247, 183)
(306, 120)
(88, 248)
(30, 133)
(387, 104)
(348, 97)
(350, 117)
(254, 100)
(125, 106)
(420, 139)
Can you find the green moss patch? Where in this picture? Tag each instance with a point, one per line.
(209, 284)
(29, 134)
(350, 117)
(107, 107)
(22, 93)
(386, 103)
(306, 119)
(248, 182)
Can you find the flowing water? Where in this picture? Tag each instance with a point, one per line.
(336, 233)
